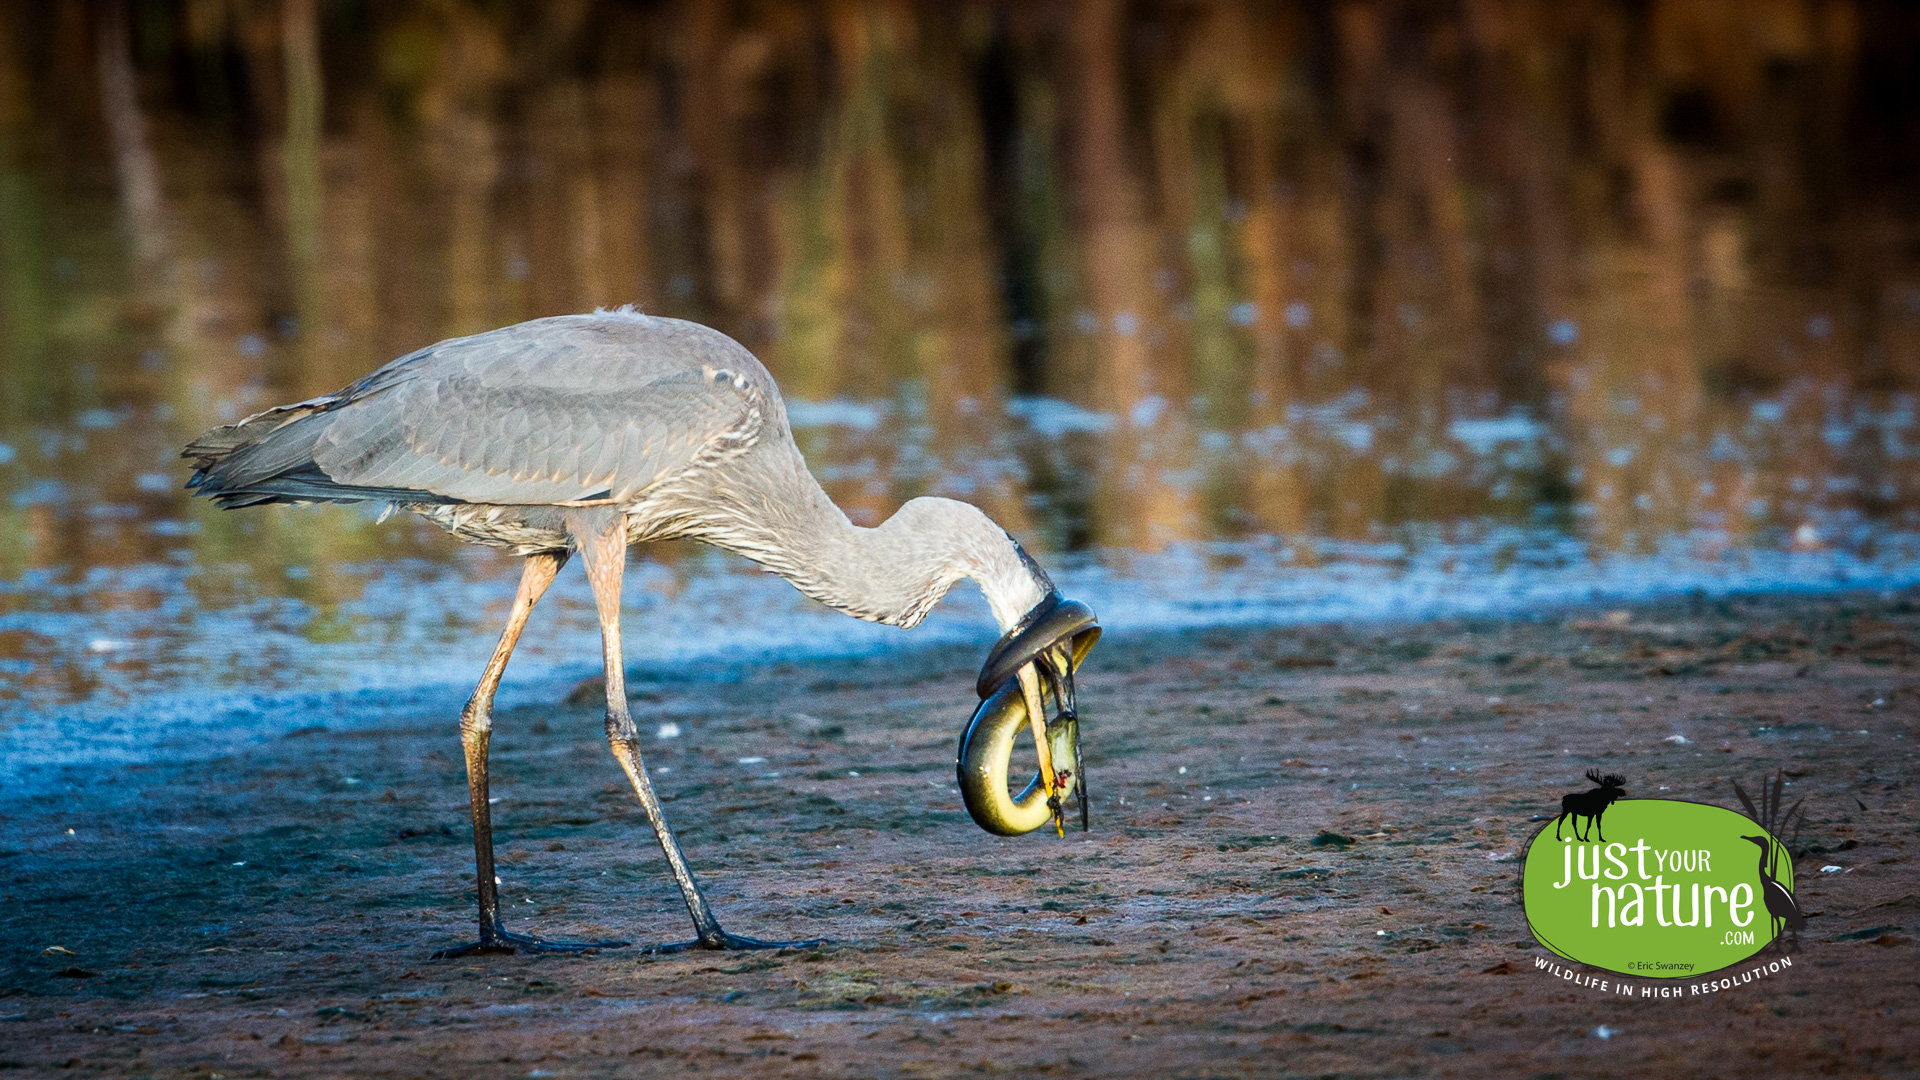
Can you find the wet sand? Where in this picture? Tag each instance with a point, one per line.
(1303, 861)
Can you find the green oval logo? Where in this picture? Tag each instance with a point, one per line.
(1676, 889)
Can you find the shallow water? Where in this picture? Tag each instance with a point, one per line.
(1234, 314)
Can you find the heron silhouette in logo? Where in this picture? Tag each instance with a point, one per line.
(1590, 805)
(1781, 906)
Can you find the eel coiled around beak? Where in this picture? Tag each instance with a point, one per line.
(1033, 663)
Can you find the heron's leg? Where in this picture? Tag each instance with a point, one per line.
(476, 729)
(602, 539)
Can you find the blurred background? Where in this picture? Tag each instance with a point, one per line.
(1234, 311)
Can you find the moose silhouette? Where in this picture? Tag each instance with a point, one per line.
(1590, 805)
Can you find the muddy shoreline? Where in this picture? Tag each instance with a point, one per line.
(1328, 888)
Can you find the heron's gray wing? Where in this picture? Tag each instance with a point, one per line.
(557, 410)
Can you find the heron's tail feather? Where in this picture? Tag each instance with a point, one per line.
(268, 458)
(216, 445)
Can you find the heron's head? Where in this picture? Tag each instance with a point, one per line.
(1026, 685)
(1029, 675)
(1764, 842)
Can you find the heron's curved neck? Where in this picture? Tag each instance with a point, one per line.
(894, 573)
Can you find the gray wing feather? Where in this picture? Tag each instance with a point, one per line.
(550, 411)
(555, 410)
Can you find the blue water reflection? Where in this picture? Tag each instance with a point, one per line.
(1230, 317)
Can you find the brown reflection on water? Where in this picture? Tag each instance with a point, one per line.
(1274, 252)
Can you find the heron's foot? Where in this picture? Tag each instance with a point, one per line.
(721, 940)
(503, 942)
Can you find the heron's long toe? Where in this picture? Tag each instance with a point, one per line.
(504, 942)
(728, 942)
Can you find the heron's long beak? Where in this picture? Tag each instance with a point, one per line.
(1027, 683)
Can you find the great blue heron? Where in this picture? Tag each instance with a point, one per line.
(589, 433)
